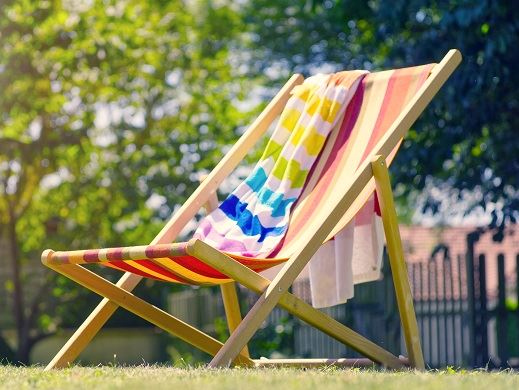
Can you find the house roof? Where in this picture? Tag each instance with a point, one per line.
(419, 242)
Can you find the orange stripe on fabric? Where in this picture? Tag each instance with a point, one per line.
(203, 270)
(155, 270)
(398, 85)
(180, 266)
(346, 78)
(404, 84)
(125, 267)
(421, 74)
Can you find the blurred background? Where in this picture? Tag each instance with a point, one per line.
(110, 111)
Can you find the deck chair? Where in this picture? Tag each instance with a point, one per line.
(351, 168)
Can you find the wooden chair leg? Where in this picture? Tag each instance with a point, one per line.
(241, 336)
(398, 267)
(232, 309)
(316, 318)
(145, 310)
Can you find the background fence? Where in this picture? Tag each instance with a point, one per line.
(462, 322)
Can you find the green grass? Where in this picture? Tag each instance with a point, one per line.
(266, 379)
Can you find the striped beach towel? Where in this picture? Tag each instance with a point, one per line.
(254, 218)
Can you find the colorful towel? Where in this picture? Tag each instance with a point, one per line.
(254, 218)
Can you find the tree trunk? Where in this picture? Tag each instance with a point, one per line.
(22, 331)
(6, 353)
(24, 347)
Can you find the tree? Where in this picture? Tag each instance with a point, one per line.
(102, 111)
(464, 145)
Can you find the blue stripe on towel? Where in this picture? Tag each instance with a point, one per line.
(248, 223)
(267, 197)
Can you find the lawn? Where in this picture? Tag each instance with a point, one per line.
(191, 378)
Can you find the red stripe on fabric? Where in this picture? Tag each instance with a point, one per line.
(422, 78)
(195, 265)
(160, 270)
(391, 106)
(377, 206)
(260, 263)
(123, 266)
(378, 129)
(91, 256)
(114, 254)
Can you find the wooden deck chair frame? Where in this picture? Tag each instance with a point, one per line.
(274, 292)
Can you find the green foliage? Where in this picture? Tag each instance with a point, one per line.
(109, 110)
(274, 338)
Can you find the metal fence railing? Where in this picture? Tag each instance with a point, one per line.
(462, 323)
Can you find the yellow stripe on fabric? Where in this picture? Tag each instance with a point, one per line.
(185, 273)
(312, 143)
(290, 170)
(76, 257)
(321, 162)
(273, 150)
(303, 91)
(325, 107)
(314, 178)
(149, 271)
(289, 118)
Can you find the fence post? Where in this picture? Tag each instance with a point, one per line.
(482, 330)
(517, 279)
(472, 238)
(461, 314)
(445, 261)
(502, 324)
(425, 313)
(517, 296)
(452, 313)
(391, 318)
